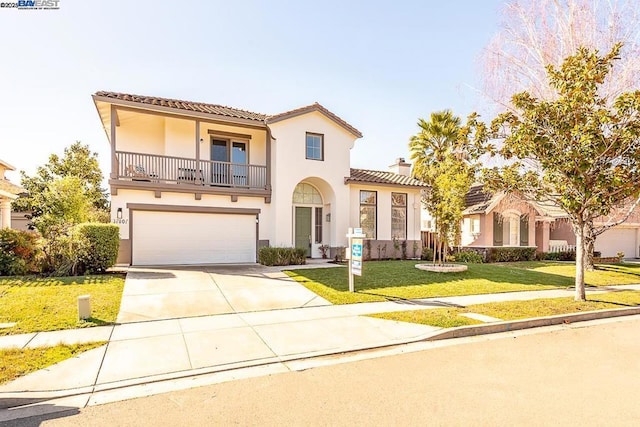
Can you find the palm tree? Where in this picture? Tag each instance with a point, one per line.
(438, 152)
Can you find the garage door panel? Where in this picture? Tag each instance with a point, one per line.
(617, 240)
(190, 238)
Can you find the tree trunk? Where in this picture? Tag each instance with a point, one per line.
(580, 292)
(435, 247)
(589, 243)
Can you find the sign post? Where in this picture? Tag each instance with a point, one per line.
(355, 237)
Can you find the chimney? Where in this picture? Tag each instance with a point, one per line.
(401, 167)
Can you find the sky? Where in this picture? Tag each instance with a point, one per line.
(380, 65)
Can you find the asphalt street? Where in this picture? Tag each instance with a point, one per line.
(569, 376)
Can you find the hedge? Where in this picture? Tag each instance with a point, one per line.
(282, 256)
(18, 252)
(508, 254)
(99, 249)
(471, 257)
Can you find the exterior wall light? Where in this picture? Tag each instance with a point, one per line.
(119, 213)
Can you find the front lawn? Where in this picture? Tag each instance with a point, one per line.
(17, 362)
(49, 304)
(383, 280)
(514, 310)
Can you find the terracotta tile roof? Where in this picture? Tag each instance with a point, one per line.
(311, 108)
(9, 187)
(381, 177)
(221, 110)
(476, 200)
(6, 165)
(199, 107)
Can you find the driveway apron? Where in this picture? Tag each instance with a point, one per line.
(169, 293)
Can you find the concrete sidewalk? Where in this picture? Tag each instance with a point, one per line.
(140, 353)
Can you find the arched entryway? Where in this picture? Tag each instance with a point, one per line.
(308, 217)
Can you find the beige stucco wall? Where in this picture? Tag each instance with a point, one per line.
(141, 133)
(290, 167)
(180, 137)
(383, 214)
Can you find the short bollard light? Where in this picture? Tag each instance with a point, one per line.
(84, 307)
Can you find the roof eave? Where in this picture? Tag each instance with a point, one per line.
(300, 112)
(178, 111)
(382, 184)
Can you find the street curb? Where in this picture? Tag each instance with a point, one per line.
(516, 325)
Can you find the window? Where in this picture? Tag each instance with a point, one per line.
(368, 208)
(510, 229)
(314, 146)
(399, 216)
(306, 194)
(318, 225)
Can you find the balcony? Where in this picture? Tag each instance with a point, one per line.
(182, 174)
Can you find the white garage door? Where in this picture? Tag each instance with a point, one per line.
(617, 240)
(165, 238)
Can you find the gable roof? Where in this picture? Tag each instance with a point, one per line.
(222, 110)
(310, 109)
(477, 200)
(381, 177)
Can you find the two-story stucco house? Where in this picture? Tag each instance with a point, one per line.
(195, 183)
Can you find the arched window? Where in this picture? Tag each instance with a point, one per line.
(306, 194)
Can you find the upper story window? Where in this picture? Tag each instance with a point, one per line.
(314, 146)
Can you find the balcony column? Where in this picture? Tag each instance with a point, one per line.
(546, 227)
(198, 170)
(114, 158)
(269, 138)
(5, 213)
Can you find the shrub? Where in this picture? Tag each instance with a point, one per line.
(558, 256)
(427, 254)
(469, 257)
(507, 254)
(18, 252)
(281, 256)
(99, 246)
(340, 254)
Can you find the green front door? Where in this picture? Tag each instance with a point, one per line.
(303, 229)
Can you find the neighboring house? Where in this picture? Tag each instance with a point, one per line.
(507, 220)
(8, 193)
(199, 183)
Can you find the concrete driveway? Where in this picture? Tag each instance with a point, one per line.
(169, 293)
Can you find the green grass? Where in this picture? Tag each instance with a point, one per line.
(17, 362)
(383, 280)
(49, 304)
(515, 310)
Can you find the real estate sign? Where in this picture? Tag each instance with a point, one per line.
(356, 256)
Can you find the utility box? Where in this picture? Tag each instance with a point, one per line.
(84, 307)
